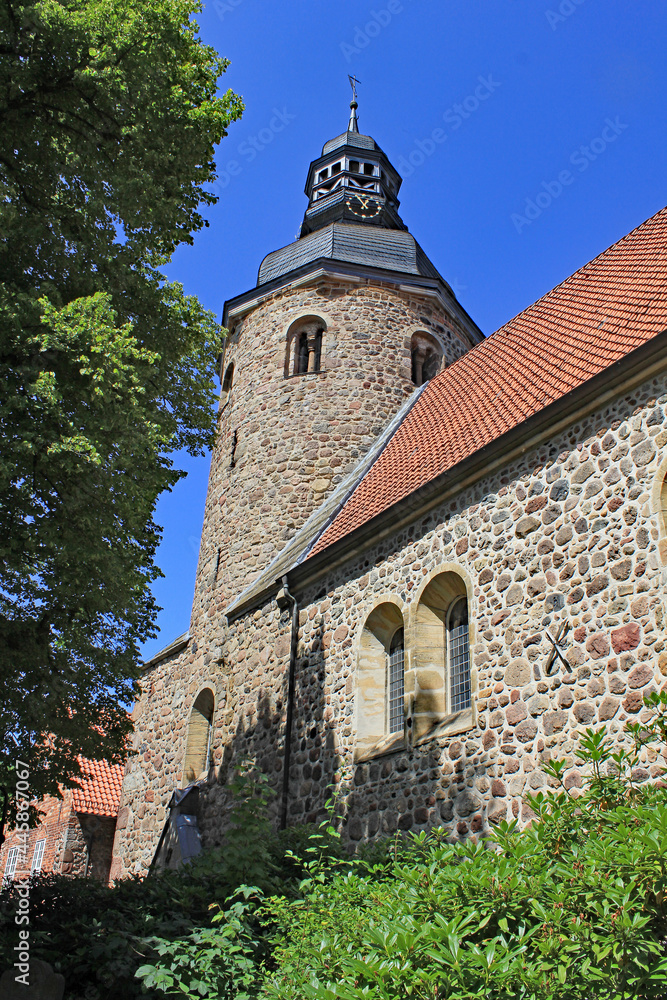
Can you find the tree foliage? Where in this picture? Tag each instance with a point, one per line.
(109, 114)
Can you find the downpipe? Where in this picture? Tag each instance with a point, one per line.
(289, 713)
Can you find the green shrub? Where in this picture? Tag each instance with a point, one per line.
(572, 908)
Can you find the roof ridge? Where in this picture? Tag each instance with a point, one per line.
(583, 267)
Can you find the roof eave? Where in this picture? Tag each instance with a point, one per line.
(175, 646)
(327, 266)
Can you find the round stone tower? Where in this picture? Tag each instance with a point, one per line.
(342, 325)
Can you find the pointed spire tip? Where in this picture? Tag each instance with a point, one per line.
(352, 125)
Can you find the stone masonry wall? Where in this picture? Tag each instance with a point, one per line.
(293, 439)
(572, 531)
(285, 442)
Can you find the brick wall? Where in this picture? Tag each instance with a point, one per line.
(66, 835)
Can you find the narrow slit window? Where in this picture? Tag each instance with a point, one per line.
(227, 383)
(459, 655)
(396, 685)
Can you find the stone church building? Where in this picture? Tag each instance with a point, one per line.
(429, 559)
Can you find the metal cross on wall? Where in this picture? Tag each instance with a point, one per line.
(556, 648)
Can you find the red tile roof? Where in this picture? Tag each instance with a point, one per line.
(99, 794)
(604, 311)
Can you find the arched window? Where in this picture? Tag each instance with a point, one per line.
(458, 655)
(426, 355)
(396, 682)
(304, 347)
(227, 384)
(380, 691)
(198, 745)
(442, 654)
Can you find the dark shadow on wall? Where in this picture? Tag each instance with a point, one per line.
(454, 782)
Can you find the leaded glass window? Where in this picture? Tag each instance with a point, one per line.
(459, 655)
(396, 669)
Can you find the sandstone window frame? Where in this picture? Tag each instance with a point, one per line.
(197, 757)
(433, 714)
(227, 384)
(304, 352)
(372, 689)
(659, 507)
(426, 357)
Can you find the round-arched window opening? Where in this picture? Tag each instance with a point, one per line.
(198, 745)
(304, 347)
(426, 358)
(380, 692)
(227, 383)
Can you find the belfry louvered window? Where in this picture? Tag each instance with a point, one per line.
(458, 655)
(396, 681)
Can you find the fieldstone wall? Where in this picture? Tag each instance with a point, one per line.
(573, 532)
(285, 442)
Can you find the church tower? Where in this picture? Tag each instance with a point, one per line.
(342, 325)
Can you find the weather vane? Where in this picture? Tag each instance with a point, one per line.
(353, 83)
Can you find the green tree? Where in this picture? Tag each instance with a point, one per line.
(109, 114)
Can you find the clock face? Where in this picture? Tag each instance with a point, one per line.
(365, 208)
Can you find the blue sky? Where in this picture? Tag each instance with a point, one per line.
(530, 135)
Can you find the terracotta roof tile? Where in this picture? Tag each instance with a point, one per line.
(604, 311)
(99, 793)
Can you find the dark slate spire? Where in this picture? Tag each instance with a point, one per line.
(352, 181)
(352, 215)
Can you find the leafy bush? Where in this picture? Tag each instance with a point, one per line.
(572, 907)
(98, 937)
